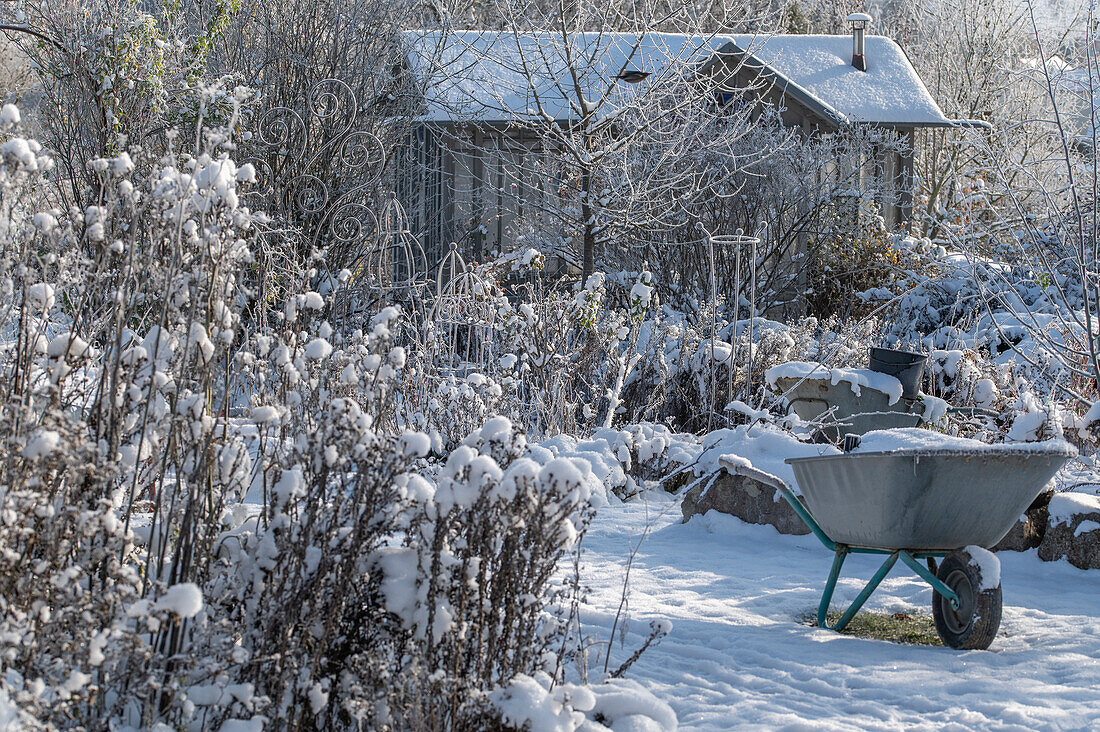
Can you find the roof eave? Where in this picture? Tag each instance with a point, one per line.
(924, 124)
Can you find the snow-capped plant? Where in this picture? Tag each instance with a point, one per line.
(127, 71)
(215, 510)
(118, 328)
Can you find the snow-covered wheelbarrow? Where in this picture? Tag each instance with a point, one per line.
(921, 505)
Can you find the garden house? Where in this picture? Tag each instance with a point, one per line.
(483, 95)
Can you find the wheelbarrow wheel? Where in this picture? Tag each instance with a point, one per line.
(972, 626)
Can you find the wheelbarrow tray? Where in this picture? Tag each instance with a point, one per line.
(925, 500)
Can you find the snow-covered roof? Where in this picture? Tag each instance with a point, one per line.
(483, 75)
(889, 92)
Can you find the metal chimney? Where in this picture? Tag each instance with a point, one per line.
(859, 22)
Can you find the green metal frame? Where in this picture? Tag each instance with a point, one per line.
(841, 552)
(909, 558)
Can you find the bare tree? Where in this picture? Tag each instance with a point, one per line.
(1042, 297)
(612, 116)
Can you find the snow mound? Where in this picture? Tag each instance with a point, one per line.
(988, 566)
(1092, 416)
(762, 446)
(732, 462)
(935, 409)
(41, 444)
(1064, 506)
(620, 705)
(9, 115)
(625, 705)
(526, 704)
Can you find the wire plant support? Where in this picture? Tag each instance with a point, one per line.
(397, 262)
(462, 312)
(738, 242)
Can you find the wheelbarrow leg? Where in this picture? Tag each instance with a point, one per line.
(834, 574)
(930, 577)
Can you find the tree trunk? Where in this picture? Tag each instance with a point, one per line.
(589, 239)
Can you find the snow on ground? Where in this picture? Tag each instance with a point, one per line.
(739, 657)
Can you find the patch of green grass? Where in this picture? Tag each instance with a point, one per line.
(914, 629)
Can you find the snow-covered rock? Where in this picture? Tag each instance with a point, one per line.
(1073, 530)
(747, 499)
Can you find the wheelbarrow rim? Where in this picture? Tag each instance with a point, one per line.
(1063, 450)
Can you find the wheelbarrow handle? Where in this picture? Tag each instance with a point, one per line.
(735, 465)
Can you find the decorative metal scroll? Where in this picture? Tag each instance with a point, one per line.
(319, 169)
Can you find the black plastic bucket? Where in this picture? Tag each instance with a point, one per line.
(905, 366)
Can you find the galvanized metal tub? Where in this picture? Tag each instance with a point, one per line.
(811, 399)
(926, 500)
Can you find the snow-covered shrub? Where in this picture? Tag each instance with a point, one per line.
(213, 511)
(562, 337)
(371, 593)
(491, 539)
(460, 405)
(64, 578)
(553, 356)
(624, 459)
(692, 381)
(116, 336)
(853, 256)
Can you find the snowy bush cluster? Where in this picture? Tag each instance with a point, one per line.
(212, 515)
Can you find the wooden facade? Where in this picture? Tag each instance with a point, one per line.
(883, 169)
(474, 185)
(476, 180)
